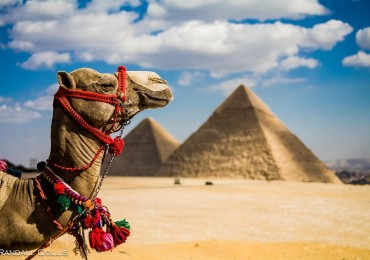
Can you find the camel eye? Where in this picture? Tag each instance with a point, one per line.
(107, 85)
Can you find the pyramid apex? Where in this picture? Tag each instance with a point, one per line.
(148, 126)
(243, 98)
(148, 120)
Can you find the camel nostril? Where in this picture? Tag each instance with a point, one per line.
(157, 80)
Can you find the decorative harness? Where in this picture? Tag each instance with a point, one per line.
(91, 213)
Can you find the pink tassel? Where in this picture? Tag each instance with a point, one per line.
(3, 166)
(119, 234)
(100, 241)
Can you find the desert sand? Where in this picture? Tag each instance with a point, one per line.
(234, 219)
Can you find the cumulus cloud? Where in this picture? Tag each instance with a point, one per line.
(45, 101)
(229, 48)
(103, 32)
(45, 59)
(16, 114)
(363, 38)
(293, 62)
(361, 59)
(208, 10)
(187, 78)
(12, 112)
(326, 35)
(5, 99)
(4, 3)
(228, 86)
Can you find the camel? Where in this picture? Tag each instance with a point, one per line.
(25, 224)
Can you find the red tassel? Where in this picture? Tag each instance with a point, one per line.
(116, 147)
(119, 234)
(98, 201)
(97, 217)
(89, 222)
(100, 241)
(59, 188)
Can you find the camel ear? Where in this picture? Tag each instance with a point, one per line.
(66, 80)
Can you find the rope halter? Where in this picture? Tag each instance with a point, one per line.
(115, 145)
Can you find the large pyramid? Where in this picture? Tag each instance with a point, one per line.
(147, 146)
(244, 139)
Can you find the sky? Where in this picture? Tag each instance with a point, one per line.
(308, 60)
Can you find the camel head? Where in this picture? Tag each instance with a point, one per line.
(144, 89)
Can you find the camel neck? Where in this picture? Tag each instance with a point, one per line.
(73, 146)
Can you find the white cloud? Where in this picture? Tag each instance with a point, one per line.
(45, 59)
(363, 38)
(37, 10)
(187, 78)
(226, 87)
(4, 99)
(40, 103)
(11, 112)
(326, 35)
(52, 89)
(209, 10)
(218, 46)
(4, 3)
(224, 47)
(361, 59)
(45, 101)
(50, 8)
(293, 62)
(16, 114)
(281, 80)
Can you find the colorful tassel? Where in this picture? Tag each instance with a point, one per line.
(119, 234)
(59, 188)
(80, 210)
(100, 241)
(3, 166)
(63, 202)
(98, 201)
(116, 147)
(88, 222)
(15, 173)
(123, 223)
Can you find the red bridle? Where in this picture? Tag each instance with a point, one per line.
(117, 100)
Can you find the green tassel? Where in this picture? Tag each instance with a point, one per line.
(63, 203)
(123, 223)
(80, 209)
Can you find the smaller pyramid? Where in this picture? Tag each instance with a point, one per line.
(147, 146)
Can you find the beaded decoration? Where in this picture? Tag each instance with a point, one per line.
(96, 216)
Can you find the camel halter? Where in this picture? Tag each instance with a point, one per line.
(115, 145)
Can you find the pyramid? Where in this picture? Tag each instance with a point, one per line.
(244, 139)
(147, 146)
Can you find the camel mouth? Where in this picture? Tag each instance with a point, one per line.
(154, 99)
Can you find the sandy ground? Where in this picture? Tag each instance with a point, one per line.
(234, 219)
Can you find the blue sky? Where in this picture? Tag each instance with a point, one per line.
(308, 60)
